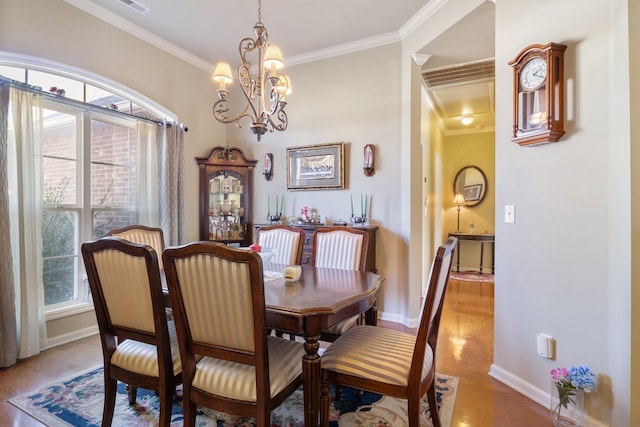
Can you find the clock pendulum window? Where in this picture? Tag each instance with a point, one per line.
(538, 89)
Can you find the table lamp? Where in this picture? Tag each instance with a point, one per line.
(458, 200)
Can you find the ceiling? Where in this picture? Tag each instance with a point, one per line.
(205, 32)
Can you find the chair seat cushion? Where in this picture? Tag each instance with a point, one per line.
(343, 326)
(376, 354)
(238, 381)
(142, 358)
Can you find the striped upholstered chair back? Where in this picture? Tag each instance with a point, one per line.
(142, 234)
(139, 345)
(343, 248)
(286, 240)
(230, 364)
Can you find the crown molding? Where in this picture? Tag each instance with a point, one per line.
(421, 17)
(343, 49)
(117, 21)
(139, 32)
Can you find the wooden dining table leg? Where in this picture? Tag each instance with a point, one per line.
(311, 379)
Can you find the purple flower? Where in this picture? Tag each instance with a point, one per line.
(559, 374)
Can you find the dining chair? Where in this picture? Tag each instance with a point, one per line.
(391, 362)
(340, 247)
(286, 240)
(139, 345)
(218, 299)
(344, 248)
(143, 234)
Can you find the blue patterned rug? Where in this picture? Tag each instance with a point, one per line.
(78, 402)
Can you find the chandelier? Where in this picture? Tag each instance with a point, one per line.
(265, 91)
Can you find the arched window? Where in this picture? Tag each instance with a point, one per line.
(90, 166)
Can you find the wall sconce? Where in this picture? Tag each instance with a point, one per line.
(369, 159)
(268, 166)
(458, 201)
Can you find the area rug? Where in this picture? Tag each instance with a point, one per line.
(78, 402)
(472, 276)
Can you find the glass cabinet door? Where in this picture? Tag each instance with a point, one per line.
(226, 205)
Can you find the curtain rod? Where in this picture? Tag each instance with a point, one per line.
(88, 106)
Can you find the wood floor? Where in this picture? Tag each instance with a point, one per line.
(465, 350)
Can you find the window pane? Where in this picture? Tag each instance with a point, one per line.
(59, 280)
(59, 187)
(103, 98)
(140, 111)
(105, 220)
(113, 160)
(73, 88)
(59, 232)
(59, 164)
(59, 237)
(13, 73)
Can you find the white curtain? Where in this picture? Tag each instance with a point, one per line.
(24, 170)
(172, 204)
(147, 197)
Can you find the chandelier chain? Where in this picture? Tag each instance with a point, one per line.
(259, 10)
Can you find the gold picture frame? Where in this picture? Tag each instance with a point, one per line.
(316, 167)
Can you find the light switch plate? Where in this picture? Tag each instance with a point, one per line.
(509, 214)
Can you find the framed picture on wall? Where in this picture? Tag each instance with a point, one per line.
(316, 167)
(472, 192)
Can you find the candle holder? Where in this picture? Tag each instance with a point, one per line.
(359, 220)
(274, 218)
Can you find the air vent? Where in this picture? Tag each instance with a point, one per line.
(138, 7)
(459, 74)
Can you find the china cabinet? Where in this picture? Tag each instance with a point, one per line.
(226, 188)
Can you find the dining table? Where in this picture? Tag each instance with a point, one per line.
(319, 299)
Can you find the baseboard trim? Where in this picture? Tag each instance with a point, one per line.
(396, 318)
(534, 393)
(71, 336)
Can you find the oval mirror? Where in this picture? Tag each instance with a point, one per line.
(471, 182)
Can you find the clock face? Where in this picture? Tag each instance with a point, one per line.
(534, 74)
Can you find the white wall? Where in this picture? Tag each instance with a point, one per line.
(563, 268)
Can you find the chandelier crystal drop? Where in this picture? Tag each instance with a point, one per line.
(265, 91)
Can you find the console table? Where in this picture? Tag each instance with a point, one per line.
(482, 238)
(307, 250)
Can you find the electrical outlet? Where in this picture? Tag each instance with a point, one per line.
(545, 345)
(509, 214)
